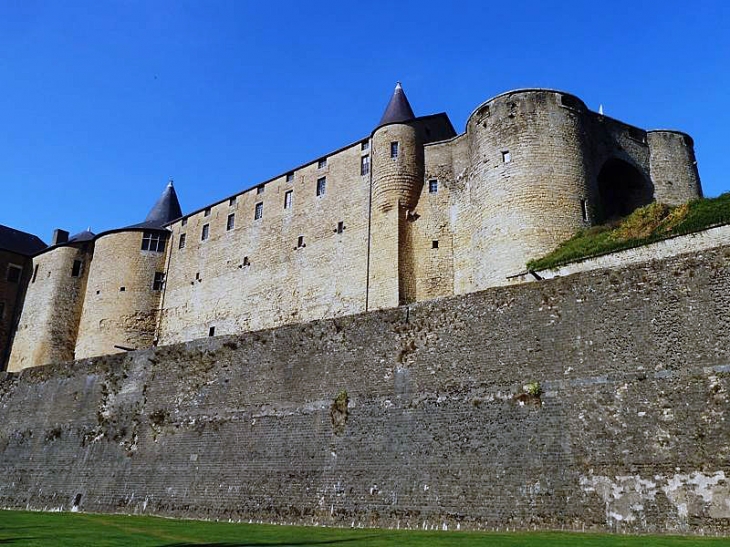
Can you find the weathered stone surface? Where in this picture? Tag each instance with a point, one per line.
(629, 431)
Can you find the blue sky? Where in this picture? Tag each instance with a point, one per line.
(103, 101)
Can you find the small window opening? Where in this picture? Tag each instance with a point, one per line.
(159, 281)
(206, 213)
(232, 201)
(365, 165)
(365, 145)
(290, 177)
(288, 199)
(98, 292)
(231, 222)
(340, 227)
(506, 156)
(435, 244)
(13, 274)
(197, 276)
(584, 209)
(35, 273)
(184, 222)
(211, 331)
(122, 289)
(258, 211)
(181, 243)
(77, 500)
(205, 234)
(260, 189)
(300, 242)
(394, 149)
(246, 261)
(76, 268)
(433, 186)
(321, 186)
(321, 164)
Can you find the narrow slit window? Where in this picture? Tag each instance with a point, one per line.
(340, 227)
(231, 222)
(211, 331)
(258, 211)
(365, 165)
(288, 199)
(205, 234)
(76, 268)
(35, 273)
(181, 243)
(321, 186)
(246, 261)
(300, 242)
(394, 149)
(584, 210)
(433, 186)
(506, 156)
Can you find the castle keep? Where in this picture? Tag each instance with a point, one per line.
(409, 213)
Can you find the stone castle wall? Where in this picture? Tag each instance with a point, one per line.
(411, 416)
(11, 295)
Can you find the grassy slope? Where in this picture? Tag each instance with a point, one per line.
(645, 225)
(66, 529)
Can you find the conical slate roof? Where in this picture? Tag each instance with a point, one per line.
(86, 235)
(165, 210)
(398, 109)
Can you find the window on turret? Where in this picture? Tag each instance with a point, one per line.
(365, 165)
(258, 211)
(584, 209)
(159, 281)
(433, 186)
(394, 149)
(13, 273)
(321, 186)
(205, 234)
(153, 241)
(231, 222)
(76, 268)
(506, 156)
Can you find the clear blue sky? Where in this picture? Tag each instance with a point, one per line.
(103, 101)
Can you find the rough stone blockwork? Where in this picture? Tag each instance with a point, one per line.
(409, 416)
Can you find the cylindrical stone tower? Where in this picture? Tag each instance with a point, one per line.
(528, 178)
(673, 167)
(397, 178)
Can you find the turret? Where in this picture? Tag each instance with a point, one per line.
(673, 167)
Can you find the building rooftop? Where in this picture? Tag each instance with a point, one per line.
(19, 242)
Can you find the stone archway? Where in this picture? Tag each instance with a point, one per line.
(622, 189)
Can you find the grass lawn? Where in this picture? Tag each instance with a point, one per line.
(21, 528)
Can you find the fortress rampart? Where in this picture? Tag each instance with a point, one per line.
(413, 416)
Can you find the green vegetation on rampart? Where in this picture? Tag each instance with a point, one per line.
(25, 529)
(651, 223)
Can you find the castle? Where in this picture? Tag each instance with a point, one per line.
(411, 212)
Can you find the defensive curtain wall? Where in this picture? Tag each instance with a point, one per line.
(413, 416)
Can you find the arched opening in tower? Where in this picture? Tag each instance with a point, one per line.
(623, 189)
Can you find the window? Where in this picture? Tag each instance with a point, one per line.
(181, 243)
(206, 213)
(290, 177)
(258, 211)
(394, 149)
(433, 186)
(159, 281)
(246, 261)
(321, 164)
(506, 156)
(13, 273)
(584, 209)
(260, 189)
(153, 241)
(231, 222)
(206, 232)
(365, 165)
(2, 309)
(365, 145)
(435, 244)
(122, 289)
(211, 331)
(232, 201)
(184, 222)
(35, 273)
(300, 242)
(76, 268)
(287, 199)
(321, 186)
(340, 227)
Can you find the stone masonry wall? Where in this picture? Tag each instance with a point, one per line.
(410, 416)
(11, 294)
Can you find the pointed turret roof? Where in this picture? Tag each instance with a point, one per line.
(398, 109)
(166, 209)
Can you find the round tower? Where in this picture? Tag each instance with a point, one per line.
(396, 181)
(125, 284)
(528, 178)
(673, 167)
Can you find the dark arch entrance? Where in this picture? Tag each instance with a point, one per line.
(622, 189)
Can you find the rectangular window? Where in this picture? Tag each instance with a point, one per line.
(205, 233)
(300, 242)
(206, 213)
(211, 331)
(287, 199)
(35, 273)
(246, 261)
(506, 156)
(321, 186)
(365, 145)
(433, 186)
(584, 209)
(340, 227)
(231, 222)
(184, 222)
(321, 164)
(159, 281)
(290, 177)
(435, 244)
(153, 241)
(260, 189)
(13, 273)
(76, 268)
(365, 165)
(258, 211)
(232, 201)
(394, 149)
(181, 243)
